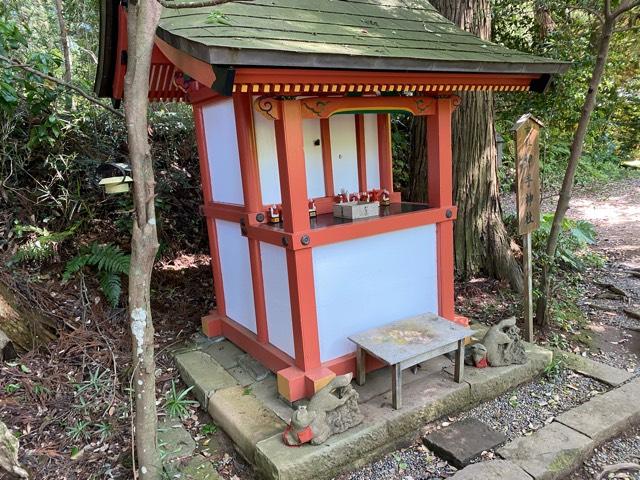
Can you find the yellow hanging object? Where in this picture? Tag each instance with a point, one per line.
(114, 185)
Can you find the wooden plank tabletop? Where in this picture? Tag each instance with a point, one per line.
(405, 339)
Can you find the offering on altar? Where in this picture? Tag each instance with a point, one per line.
(274, 214)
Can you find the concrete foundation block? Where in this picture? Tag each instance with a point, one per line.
(244, 418)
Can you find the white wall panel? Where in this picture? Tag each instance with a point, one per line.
(222, 149)
(368, 282)
(267, 159)
(313, 158)
(344, 156)
(277, 300)
(236, 274)
(371, 149)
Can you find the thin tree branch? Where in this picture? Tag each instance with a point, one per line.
(607, 8)
(12, 63)
(625, 6)
(195, 4)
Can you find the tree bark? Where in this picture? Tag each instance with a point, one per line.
(569, 176)
(417, 188)
(481, 240)
(142, 20)
(25, 327)
(66, 52)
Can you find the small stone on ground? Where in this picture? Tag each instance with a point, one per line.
(461, 442)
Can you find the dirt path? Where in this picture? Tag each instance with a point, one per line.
(614, 210)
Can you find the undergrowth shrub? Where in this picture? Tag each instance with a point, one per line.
(109, 262)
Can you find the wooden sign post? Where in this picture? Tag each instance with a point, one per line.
(528, 197)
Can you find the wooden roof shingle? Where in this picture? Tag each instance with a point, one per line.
(388, 35)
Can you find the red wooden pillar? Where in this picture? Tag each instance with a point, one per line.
(211, 324)
(307, 376)
(440, 194)
(243, 108)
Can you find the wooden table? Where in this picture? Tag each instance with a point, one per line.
(408, 342)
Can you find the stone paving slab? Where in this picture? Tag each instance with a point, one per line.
(463, 441)
(244, 418)
(550, 453)
(225, 353)
(606, 415)
(590, 368)
(492, 470)
(199, 370)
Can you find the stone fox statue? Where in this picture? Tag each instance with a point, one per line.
(500, 346)
(504, 345)
(333, 409)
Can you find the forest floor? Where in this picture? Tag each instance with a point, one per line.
(68, 401)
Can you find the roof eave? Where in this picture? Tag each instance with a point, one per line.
(279, 59)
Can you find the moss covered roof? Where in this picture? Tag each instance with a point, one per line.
(354, 34)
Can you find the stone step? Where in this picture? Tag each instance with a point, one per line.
(599, 371)
(492, 470)
(559, 448)
(549, 454)
(606, 415)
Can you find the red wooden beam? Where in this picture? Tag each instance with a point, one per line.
(440, 192)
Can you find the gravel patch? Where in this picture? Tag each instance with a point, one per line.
(619, 450)
(413, 463)
(518, 412)
(529, 407)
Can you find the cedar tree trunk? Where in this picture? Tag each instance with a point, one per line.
(481, 240)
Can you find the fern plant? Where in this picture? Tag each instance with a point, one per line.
(109, 261)
(41, 245)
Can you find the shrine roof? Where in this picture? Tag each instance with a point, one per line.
(383, 35)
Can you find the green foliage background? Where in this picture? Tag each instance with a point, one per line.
(614, 132)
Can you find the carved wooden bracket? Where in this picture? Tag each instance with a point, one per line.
(324, 107)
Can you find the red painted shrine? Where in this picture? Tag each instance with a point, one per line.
(292, 108)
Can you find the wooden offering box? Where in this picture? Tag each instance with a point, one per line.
(292, 112)
(356, 210)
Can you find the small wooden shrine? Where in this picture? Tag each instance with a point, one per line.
(292, 103)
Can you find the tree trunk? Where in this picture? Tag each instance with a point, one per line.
(569, 176)
(142, 20)
(66, 52)
(25, 327)
(417, 188)
(481, 240)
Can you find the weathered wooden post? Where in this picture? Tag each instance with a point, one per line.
(528, 196)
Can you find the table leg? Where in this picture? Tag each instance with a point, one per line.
(459, 364)
(396, 386)
(361, 366)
